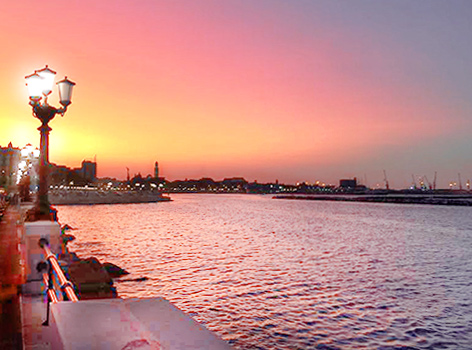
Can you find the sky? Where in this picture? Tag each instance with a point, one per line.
(298, 90)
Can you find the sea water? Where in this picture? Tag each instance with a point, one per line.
(266, 273)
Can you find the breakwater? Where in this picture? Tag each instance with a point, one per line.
(435, 199)
(69, 197)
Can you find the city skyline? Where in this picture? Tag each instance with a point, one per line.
(88, 171)
(294, 91)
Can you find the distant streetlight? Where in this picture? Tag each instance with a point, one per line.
(40, 85)
(29, 164)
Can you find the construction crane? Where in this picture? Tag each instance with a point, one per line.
(414, 181)
(386, 181)
(422, 184)
(460, 181)
(430, 186)
(434, 181)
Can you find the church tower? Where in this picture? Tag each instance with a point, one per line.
(156, 170)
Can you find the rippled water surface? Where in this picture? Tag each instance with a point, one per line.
(279, 274)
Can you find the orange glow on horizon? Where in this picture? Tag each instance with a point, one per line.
(231, 89)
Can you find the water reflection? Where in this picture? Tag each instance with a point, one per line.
(274, 274)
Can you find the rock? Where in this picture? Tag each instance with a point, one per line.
(114, 271)
(67, 238)
(91, 279)
(68, 257)
(74, 257)
(139, 279)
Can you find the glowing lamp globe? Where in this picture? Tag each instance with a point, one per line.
(35, 86)
(48, 79)
(27, 150)
(65, 91)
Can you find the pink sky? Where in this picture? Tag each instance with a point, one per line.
(269, 89)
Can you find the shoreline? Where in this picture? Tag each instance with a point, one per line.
(430, 199)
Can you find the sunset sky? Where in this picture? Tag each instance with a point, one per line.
(298, 90)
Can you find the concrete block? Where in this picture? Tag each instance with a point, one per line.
(174, 328)
(130, 324)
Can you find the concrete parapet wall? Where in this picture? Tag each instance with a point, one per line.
(34, 254)
(130, 324)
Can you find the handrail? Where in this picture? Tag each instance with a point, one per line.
(51, 293)
(64, 283)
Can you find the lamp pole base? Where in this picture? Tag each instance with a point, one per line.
(35, 214)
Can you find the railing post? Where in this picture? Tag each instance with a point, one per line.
(47, 279)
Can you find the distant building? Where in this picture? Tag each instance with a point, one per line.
(156, 170)
(29, 165)
(63, 175)
(348, 183)
(9, 162)
(89, 170)
(60, 175)
(234, 182)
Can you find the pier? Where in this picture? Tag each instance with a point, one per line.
(42, 309)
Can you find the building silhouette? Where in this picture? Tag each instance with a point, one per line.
(63, 175)
(89, 170)
(9, 161)
(156, 170)
(348, 183)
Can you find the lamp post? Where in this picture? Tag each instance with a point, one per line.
(40, 85)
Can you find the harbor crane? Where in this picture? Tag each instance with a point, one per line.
(386, 181)
(430, 186)
(414, 181)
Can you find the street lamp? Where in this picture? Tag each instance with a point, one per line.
(40, 85)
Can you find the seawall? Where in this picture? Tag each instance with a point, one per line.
(69, 197)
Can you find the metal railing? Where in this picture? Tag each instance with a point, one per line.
(64, 284)
(48, 268)
(47, 279)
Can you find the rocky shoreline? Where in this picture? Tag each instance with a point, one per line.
(71, 197)
(432, 199)
(91, 278)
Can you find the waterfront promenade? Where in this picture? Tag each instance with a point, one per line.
(10, 281)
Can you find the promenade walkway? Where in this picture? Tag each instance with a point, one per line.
(10, 281)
